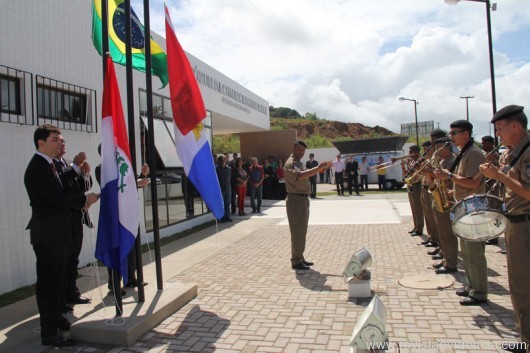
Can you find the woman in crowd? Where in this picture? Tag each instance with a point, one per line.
(241, 178)
(282, 193)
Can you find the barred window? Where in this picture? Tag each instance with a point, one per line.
(68, 106)
(10, 94)
(16, 105)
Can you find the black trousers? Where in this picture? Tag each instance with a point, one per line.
(71, 290)
(352, 182)
(339, 178)
(51, 271)
(313, 182)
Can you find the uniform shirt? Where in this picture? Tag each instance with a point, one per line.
(338, 166)
(515, 204)
(292, 170)
(469, 167)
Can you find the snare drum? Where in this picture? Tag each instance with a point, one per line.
(479, 218)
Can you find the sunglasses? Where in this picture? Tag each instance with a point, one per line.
(455, 132)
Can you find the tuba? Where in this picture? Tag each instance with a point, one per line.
(439, 189)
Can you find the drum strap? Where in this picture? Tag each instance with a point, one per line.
(460, 155)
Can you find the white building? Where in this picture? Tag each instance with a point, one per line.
(50, 72)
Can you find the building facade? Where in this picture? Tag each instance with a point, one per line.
(51, 73)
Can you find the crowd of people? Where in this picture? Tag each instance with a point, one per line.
(440, 181)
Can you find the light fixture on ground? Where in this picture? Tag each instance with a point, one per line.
(357, 275)
(369, 333)
(415, 116)
(489, 7)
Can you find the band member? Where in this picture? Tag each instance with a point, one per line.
(462, 174)
(426, 200)
(414, 189)
(446, 236)
(511, 127)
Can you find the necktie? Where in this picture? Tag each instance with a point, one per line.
(52, 165)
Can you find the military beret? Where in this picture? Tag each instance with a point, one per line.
(301, 143)
(414, 148)
(508, 112)
(426, 144)
(438, 133)
(462, 124)
(444, 139)
(488, 138)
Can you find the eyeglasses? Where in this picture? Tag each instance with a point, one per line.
(455, 132)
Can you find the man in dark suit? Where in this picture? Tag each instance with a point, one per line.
(310, 164)
(352, 171)
(51, 231)
(75, 177)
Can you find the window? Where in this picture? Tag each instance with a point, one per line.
(68, 106)
(10, 94)
(15, 86)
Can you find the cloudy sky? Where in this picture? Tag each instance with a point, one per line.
(350, 60)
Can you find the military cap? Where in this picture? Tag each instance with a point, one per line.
(438, 133)
(488, 138)
(414, 148)
(426, 144)
(462, 124)
(301, 143)
(509, 111)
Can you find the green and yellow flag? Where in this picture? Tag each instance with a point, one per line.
(116, 17)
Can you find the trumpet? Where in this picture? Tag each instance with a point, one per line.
(387, 164)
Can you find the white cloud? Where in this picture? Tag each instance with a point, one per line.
(350, 60)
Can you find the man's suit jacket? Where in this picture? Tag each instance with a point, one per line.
(74, 183)
(309, 165)
(51, 219)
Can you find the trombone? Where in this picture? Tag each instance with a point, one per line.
(386, 164)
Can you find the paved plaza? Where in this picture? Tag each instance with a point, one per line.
(250, 300)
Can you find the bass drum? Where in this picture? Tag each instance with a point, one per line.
(479, 218)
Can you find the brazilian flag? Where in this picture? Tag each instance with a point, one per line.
(116, 17)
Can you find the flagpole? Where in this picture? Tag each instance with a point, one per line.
(114, 275)
(134, 259)
(151, 146)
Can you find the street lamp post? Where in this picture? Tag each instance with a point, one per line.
(490, 48)
(467, 105)
(415, 116)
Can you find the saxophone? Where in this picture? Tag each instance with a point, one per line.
(439, 189)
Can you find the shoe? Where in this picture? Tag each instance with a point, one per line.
(259, 210)
(78, 300)
(434, 252)
(416, 234)
(67, 309)
(228, 219)
(307, 263)
(412, 231)
(462, 292)
(431, 245)
(494, 241)
(64, 325)
(234, 212)
(437, 257)
(470, 301)
(58, 341)
(436, 266)
(300, 266)
(134, 284)
(443, 270)
(426, 242)
(253, 210)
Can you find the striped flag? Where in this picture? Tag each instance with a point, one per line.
(188, 109)
(118, 212)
